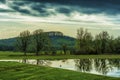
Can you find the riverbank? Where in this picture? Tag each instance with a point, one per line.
(20, 71)
(19, 55)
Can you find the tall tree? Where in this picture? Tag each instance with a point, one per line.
(84, 40)
(23, 41)
(97, 44)
(64, 47)
(117, 44)
(102, 42)
(40, 40)
(104, 36)
(111, 46)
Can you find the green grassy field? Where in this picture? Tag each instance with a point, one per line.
(20, 71)
(19, 55)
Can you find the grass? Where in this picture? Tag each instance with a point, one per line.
(19, 55)
(20, 71)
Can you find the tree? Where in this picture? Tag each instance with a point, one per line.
(84, 41)
(102, 42)
(64, 47)
(111, 45)
(40, 40)
(23, 41)
(117, 44)
(104, 37)
(97, 44)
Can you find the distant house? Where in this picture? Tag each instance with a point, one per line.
(55, 33)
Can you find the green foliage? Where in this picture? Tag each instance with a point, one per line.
(40, 41)
(56, 43)
(53, 44)
(102, 43)
(23, 41)
(84, 41)
(19, 55)
(7, 44)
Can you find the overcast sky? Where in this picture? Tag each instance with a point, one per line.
(60, 15)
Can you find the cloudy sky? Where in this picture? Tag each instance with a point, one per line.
(59, 15)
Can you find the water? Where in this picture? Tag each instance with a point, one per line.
(106, 67)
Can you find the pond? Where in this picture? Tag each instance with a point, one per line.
(106, 67)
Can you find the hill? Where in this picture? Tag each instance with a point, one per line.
(57, 40)
(7, 44)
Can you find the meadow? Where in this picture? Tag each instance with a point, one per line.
(20, 71)
(19, 55)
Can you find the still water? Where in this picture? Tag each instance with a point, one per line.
(106, 67)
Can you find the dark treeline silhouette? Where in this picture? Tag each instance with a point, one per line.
(54, 43)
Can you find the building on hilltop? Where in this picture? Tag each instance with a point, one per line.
(55, 33)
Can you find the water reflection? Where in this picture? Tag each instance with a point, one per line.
(103, 66)
(36, 62)
(108, 67)
(83, 65)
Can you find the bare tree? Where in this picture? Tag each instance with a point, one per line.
(23, 41)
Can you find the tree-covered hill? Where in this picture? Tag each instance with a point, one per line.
(7, 44)
(56, 41)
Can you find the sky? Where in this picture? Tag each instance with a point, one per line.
(59, 15)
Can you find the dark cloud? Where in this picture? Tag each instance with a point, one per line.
(19, 3)
(89, 3)
(6, 10)
(40, 8)
(64, 10)
(2, 1)
(34, 9)
(20, 10)
(98, 6)
(110, 7)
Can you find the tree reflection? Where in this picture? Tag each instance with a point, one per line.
(83, 64)
(102, 66)
(115, 62)
(24, 60)
(37, 62)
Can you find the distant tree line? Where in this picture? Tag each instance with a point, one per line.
(102, 43)
(39, 42)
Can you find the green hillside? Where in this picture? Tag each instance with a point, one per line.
(56, 41)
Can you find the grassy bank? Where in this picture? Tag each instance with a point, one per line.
(19, 55)
(20, 71)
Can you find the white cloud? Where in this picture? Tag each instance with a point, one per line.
(3, 6)
(75, 18)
